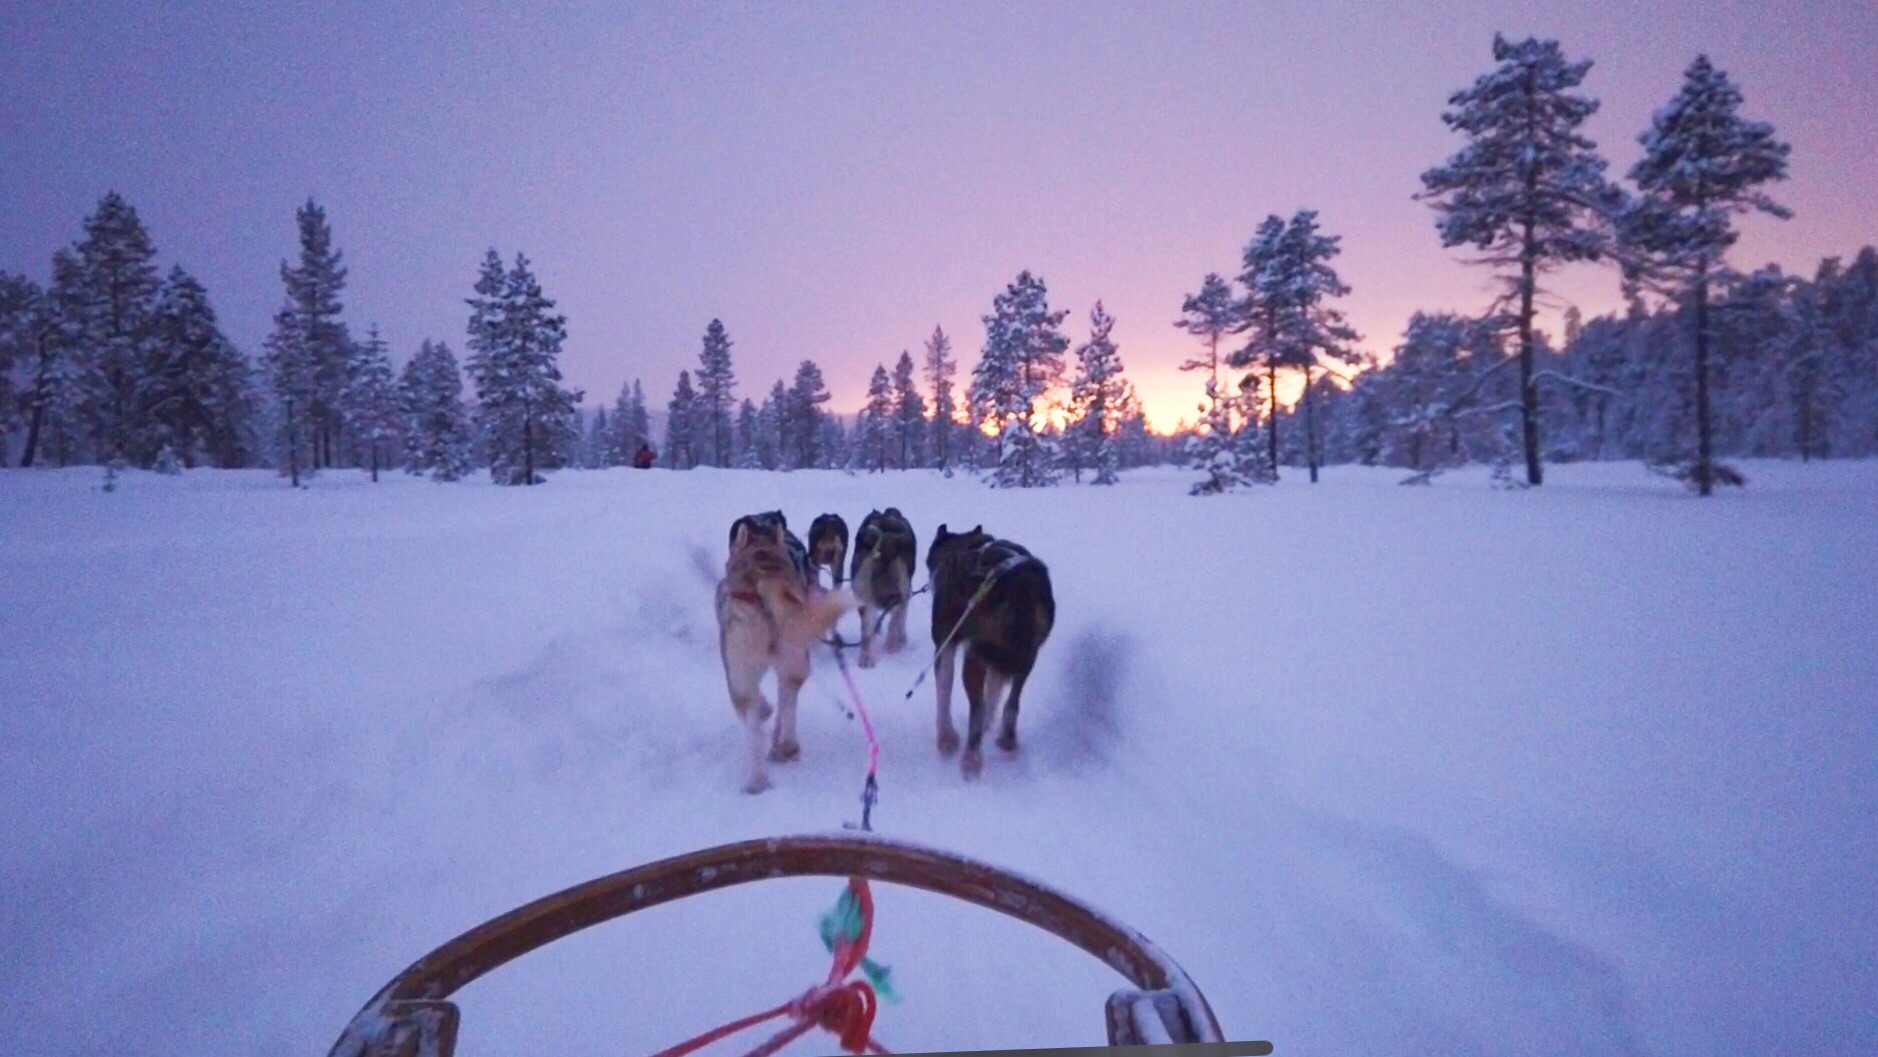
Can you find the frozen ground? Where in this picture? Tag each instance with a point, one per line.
(1592, 769)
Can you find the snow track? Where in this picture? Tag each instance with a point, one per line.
(1389, 771)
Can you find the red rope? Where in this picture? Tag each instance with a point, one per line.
(844, 1008)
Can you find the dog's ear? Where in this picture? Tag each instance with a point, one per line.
(780, 530)
(941, 534)
(977, 530)
(740, 535)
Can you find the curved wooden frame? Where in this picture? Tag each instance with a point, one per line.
(411, 1017)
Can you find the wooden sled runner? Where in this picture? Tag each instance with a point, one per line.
(412, 1016)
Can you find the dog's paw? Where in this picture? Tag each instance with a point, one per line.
(867, 660)
(971, 764)
(756, 785)
(948, 741)
(1007, 742)
(784, 751)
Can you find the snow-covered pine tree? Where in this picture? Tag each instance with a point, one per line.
(874, 431)
(940, 367)
(1528, 190)
(803, 435)
(291, 377)
(621, 444)
(374, 412)
(715, 381)
(1099, 397)
(1703, 164)
(837, 443)
(194, 391)
(596, 448)
(638, 418)
(111, 313)
(1210, 315)
(313, 288)
(747, 431)
(527, 419)
(1021, 365)
(909, 415)
(680, 431)
(20, 300)
(1289, 284)
(438, 432)
(769, 434)
(55, 392)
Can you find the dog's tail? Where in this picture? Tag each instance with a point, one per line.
(802, 626)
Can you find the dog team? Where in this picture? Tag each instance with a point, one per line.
(991, 600)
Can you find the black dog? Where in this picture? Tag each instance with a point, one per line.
(885, 552)
(828, 546)
(993, 598)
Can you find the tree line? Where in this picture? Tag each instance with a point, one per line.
(112, 363)
(1705, 360)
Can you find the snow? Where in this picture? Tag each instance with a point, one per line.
(1587, 768)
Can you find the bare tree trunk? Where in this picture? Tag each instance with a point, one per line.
(1310, 426)
(1528, 393)
(1704, 442)
(1271, 399)
(528, 447)
(293, 448)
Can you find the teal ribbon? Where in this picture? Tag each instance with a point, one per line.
(844, 923)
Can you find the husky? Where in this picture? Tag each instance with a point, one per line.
(828, 547)
(768, 521)
(885, 552)
(769, 615)
(1000, 630)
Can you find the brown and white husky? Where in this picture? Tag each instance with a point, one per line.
(769, 615)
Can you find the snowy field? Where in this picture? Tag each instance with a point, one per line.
(1592, 769)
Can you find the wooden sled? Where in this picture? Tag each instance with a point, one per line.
(412, 1015)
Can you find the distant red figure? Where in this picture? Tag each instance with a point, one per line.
(642, 459)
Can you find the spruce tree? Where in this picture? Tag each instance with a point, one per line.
(638, 419)
(111, 314)
(680, 431)
(438, 433)
(803, 434)
(54, 397)
(20, 308)
(1022, 363)
(769, 435)
(313, 288)
(1099, 396)
(715, 382)
(596, 449)
(291, 375)
(909, 415)
(374, 415)
(1703, 164)
(747, 430)
(874, 439)
(194, 390)
(940, 367)
(528, 421)
(1527, 191)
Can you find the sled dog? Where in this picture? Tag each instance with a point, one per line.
(828, 547)
(997, 596)
(768, 617)
(885, 553)
(768, 521)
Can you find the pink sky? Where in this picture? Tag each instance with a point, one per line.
(834, 180)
